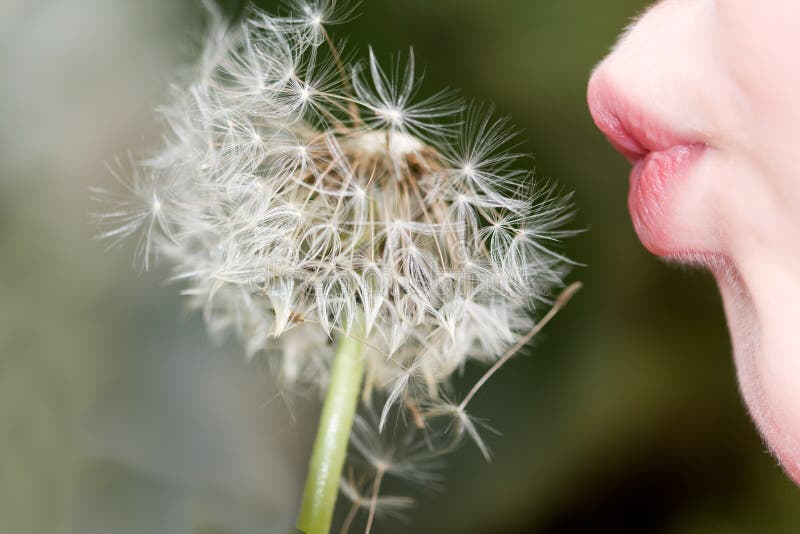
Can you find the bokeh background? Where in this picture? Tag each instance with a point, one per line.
(117, 414)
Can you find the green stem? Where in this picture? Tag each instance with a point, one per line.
(333, 434)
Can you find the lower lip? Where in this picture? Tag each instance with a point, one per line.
(653, 182)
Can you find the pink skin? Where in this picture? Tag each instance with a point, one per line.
(702, 96)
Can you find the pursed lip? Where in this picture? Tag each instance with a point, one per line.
(661, 159)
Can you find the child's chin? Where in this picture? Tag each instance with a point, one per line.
(782, 440)
(770, 404)
(781, 431)
(783, 445)
(792, 467)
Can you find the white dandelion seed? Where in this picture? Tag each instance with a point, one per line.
(303, 198)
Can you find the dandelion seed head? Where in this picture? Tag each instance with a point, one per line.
(297, 192)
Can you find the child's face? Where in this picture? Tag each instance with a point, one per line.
(704, 97)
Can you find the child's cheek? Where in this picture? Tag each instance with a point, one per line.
(758, 41)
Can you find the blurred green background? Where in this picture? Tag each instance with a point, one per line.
(117, 414)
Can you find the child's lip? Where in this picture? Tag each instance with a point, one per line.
(628, 128)
(653, 182)
(661, 160)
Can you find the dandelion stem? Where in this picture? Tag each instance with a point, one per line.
(333, 434)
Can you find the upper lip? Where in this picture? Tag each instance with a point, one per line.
(629, 130)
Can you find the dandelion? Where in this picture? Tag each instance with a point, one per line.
(368, 241)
